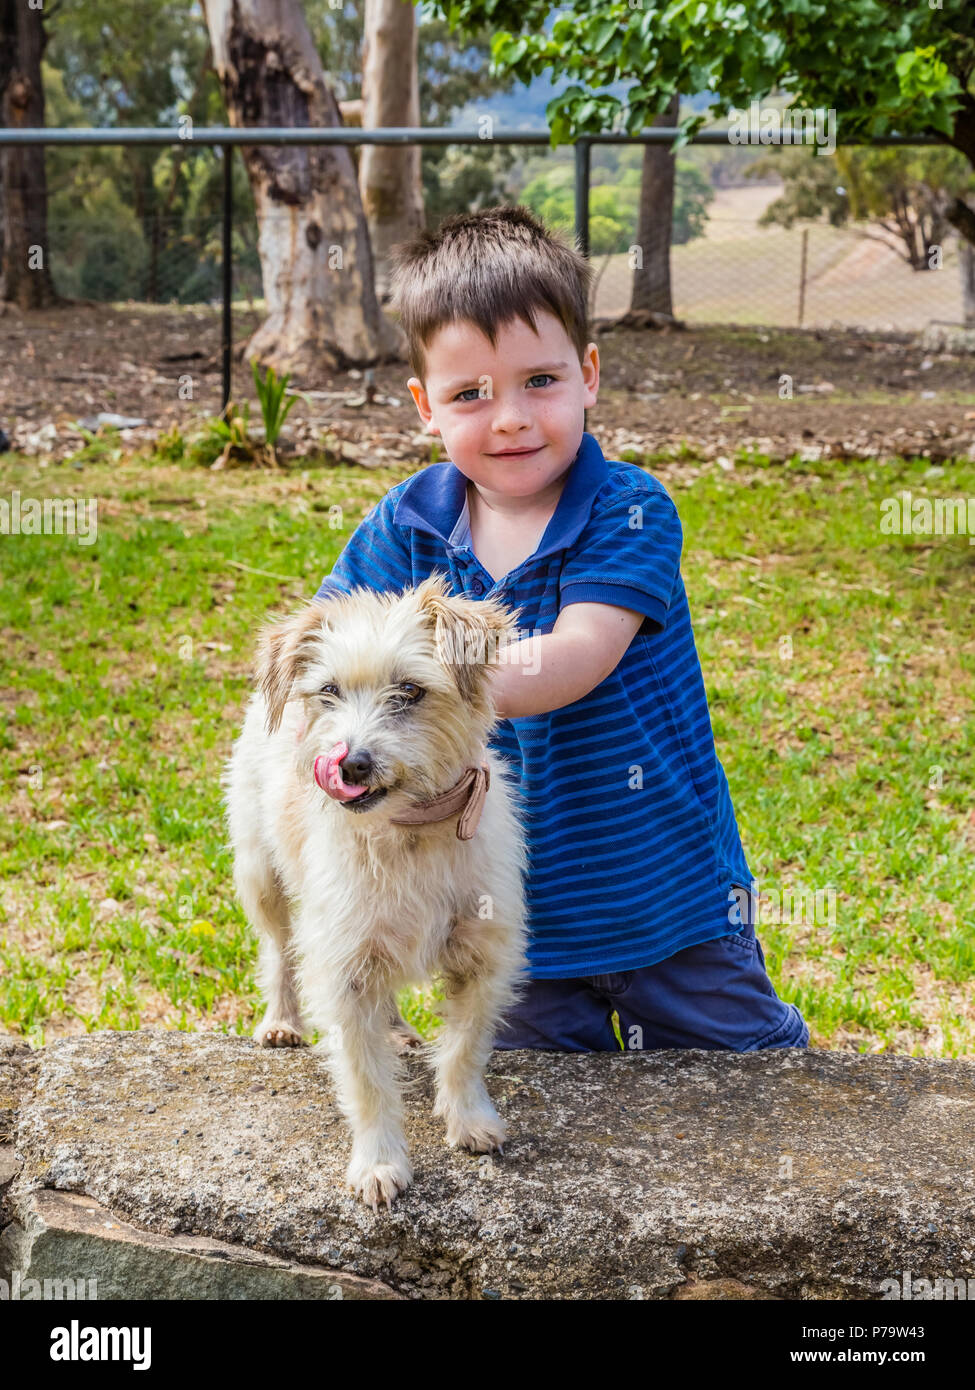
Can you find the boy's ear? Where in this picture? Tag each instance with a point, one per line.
(418, 391)
(468, 633)
(285, 647)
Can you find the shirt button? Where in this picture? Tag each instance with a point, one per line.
(477, 587)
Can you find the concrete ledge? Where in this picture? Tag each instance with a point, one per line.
(204, 1166)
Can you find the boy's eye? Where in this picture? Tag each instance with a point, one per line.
(466, 395)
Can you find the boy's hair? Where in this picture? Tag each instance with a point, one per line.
(487, 267)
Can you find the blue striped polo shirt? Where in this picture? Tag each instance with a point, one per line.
(632, 839)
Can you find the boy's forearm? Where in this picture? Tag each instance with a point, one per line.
(540, 673)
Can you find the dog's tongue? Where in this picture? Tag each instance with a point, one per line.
(328, 775)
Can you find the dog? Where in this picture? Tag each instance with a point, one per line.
(378, 844)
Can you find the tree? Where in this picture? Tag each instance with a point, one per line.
(614, 201)
(900, 195)
(25, 270)
(112, 73)
(100, 69)
(389, 175)
(455, 178)
(651, 290)
(316, 258)
(883, 65)
(967, 267)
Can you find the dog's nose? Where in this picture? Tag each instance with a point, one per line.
(357, 768)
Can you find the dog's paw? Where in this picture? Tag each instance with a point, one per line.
(479, 1131)
(278, 1035)
(378, 1182)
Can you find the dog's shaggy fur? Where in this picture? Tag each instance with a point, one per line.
(352, 908)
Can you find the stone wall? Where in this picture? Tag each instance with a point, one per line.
(173, 1165)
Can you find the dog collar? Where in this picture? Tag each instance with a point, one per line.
(467, 795)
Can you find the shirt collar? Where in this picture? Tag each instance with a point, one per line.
(433, 499)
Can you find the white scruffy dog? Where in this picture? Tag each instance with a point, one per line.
(377, 845)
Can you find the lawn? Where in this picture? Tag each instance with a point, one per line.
(839, 663)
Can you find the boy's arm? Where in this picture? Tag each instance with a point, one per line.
(542, 673)
(630, 551)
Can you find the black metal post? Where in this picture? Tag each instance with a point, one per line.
(583, 149)
(228, 270)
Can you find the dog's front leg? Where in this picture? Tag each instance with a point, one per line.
(366, 1068)
(477, 992)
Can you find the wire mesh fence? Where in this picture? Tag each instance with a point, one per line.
(735, 273)
(726, 266)
(810, 277)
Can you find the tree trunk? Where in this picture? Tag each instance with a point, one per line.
(959, 214)
(962, 218)
(25, 270)
(651, 284)
(389, 175)
(966, 262)
(313, 241)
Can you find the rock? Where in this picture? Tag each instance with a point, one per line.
(111, 421)
(787, 1174)
(951, 336)
(16, 1071)
(66, 1236)
(40, 440)
(16, 1064)
(714, 1290)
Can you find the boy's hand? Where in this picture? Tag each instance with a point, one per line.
(542, 673)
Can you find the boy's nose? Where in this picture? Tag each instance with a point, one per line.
(357, 767)
(508, 415)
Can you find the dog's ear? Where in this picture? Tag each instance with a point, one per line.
(468, 632)
(284, 647)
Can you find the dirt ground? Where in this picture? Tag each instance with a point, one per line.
(714, 389)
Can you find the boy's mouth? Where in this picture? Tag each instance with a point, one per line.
(516, 453)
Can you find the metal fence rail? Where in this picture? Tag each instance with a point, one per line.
(227, 137)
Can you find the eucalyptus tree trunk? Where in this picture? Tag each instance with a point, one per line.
(25, 267)
(651, 291)
(313, 242)
(389, 175)
(966, 263)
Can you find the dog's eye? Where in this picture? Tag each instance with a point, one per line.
(329, 690)
(407, 693)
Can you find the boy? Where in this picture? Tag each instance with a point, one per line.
(637, 873)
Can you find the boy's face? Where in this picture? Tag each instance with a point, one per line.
(527, 395)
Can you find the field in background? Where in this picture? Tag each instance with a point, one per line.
(745, 274)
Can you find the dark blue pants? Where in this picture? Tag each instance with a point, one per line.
(713, 995)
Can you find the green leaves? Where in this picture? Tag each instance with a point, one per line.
(270, 393)
(604, 33)
(880, 67)
(922, 73)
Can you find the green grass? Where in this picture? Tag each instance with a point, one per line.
(126, 665)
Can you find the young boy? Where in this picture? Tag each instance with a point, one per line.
(637, 872)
